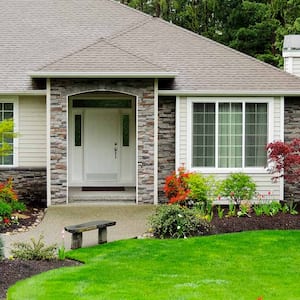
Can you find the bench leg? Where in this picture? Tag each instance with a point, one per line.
(102, 235)
(76, 240)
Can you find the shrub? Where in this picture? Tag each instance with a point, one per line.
(7, 193)
(1, 249)
(36, 250)
(175, 221)
(238, 187)
(176, 187)
(284, 160)
(5, 209)
(18, 206)
(9, 203)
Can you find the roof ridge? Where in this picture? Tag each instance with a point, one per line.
(199, 36)
(134, 26)
(71, 53)
(135, 55)
(103, 40)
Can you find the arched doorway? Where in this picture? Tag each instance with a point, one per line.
(101, 141)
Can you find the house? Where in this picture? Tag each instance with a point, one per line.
(108, 100)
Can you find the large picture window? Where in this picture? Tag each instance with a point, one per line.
(7, 112)
(229, 135)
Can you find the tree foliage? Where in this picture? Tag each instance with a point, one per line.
(284, 160)
(6, 135)
(255, 27)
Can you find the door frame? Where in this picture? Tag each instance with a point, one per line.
(73, 157)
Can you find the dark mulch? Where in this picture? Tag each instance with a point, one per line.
(236, 224)
(14, 270)
(28, 218)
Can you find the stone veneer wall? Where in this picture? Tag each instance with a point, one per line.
(291, 131)
(29, 183)
(166, 142)
(61, 89)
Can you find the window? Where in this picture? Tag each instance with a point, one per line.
(6, 112)
(229, 135)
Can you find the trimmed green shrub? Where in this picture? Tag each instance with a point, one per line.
(5, 209)
(202, 189)
(18, 206)
(238, 187)
(36, 250)
(175, 221)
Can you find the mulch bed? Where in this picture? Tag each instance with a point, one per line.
(15, 270)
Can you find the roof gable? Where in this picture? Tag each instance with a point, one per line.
(105, 36)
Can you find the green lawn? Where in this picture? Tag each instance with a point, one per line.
(232, 266)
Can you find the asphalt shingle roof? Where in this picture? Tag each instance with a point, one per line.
(105, 36)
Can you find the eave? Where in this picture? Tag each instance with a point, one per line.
(234, 93)
(46, 74)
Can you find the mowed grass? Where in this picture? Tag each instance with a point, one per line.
(239, 266)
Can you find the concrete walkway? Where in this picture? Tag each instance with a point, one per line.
(131, 222)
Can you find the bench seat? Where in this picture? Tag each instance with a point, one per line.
(78, 229)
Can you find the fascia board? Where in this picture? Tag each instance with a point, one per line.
(103, 74)
(229, 93)
(25, 93)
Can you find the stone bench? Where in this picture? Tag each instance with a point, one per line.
(78, 229)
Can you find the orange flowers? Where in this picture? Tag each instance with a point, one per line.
(176, 186)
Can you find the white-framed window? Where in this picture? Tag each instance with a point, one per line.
(8, 108)
(229, 133)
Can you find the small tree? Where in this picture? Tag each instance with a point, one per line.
(6, 134)
(284, 160)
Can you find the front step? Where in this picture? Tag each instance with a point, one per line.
(127, 196)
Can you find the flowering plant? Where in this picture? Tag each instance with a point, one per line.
(176, 186)
(7, 193)
(9, 204)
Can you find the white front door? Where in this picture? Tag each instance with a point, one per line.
(101, 146)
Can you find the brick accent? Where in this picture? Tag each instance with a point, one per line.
(166, 142)
(291, 131)
(61, 89)
(29, 183)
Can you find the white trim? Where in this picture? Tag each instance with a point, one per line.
(136, 150)
(291, 53)
(177, 133)
(48, 164)
(271, 121)
(25, 93)
(282, 105)
(15, 100)
(67, 148)
(155, 154)
(232, 93)
(189, 132)
(215, 170)
(45, 74)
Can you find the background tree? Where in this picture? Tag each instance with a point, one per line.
(255, 27)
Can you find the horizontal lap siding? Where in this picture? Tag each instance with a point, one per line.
(262, 178)
(183, 132)
(32, 130)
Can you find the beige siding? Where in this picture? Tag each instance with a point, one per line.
(261, 177)
(277, 120)
(183, 131)
(32, 129)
